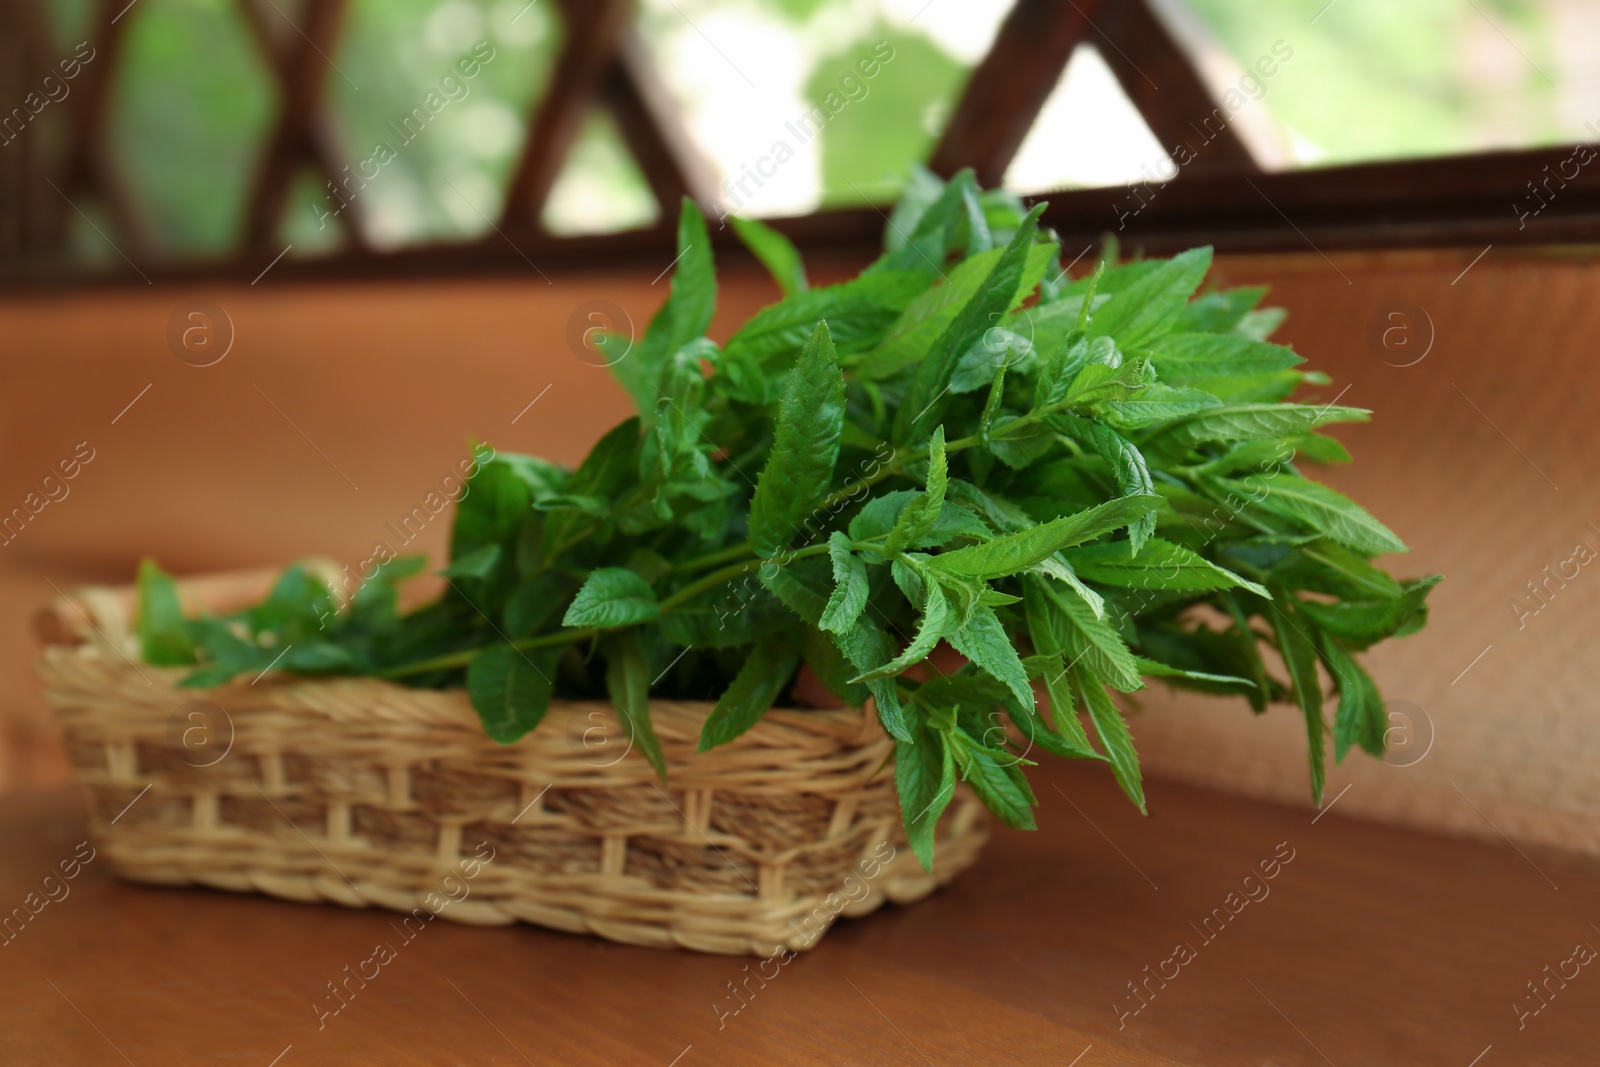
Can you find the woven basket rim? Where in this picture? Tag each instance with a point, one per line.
(96, 622)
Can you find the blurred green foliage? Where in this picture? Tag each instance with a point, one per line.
(191, 102)
(1390, 80)
(195, 101)
(869, 146)
(447, 181)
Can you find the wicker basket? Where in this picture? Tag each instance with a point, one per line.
(363, 792)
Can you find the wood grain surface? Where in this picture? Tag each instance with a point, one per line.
(1367, 946)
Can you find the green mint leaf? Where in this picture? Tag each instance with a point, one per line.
(317, 657)
(1155, 404)
(299, 608)
(1102, 282)
(628, 685)
(214, 674)
(1242, 641)
(1360, 622)
(1113, 733)
(1159, 565)
(993, 403)
(682, 318)
(612, 597)
(938, 620)
(1365, 622)
(935, 232)
(1133, 477)
(1361, 718)
(1321, 509)
(766, 671)
(694, 280)
(223, 653)
(984, 641)
(1298, 646)
(598, 507)
(930, 314)
(923, 189)
(996, 778)
(866, 645)
(477, 564)
(723, 627)
(857, 313)
(775, 251)
(954, 522)
(926, 317)
(927, 398)
(535, 603)
(375, 605)
(879, 515)
(163, 633)
(1014, 553)
(1067, 738)
(1155, 669)
(1006, 515)
(1414, 604)
(1220, 311)
(921, 514)
(805, 448)
(1087, 640)
(493, 508)
(1191, 358)
(850, 586)
(1320, 449)
(1148, 308)
(925, 778)
(995, 350)
(1061, 361)
(1058, 568)
(1099, 382)
(966, 690)
(611, 466)
(1260, 324)
(1252, 422)
(1325, 567)
(510, 690)
(1019, 442)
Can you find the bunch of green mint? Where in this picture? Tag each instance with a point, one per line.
(1075, 484)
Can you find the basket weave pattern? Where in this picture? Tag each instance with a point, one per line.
(363, 792)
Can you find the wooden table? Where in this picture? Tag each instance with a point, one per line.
(1368, 946)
